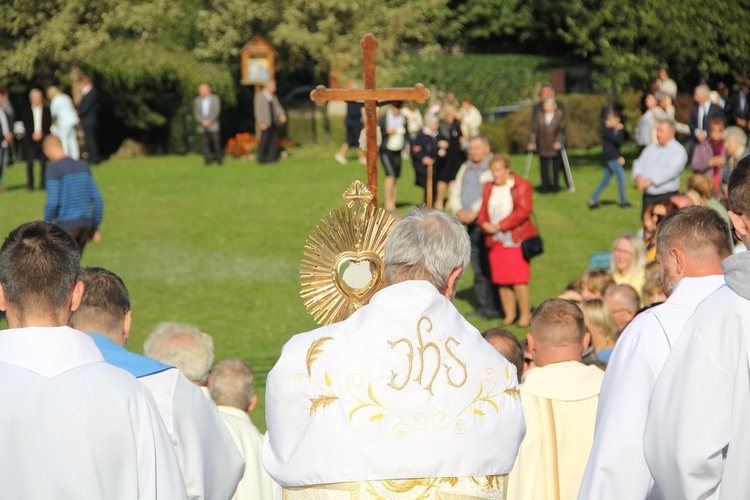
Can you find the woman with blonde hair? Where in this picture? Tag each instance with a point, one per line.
(450, 150)
(65, 120)
(628, 266)
(702, 191)
(600, 324)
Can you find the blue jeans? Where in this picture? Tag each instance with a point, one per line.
(612, 167)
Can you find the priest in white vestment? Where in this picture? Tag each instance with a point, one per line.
(71, 425)
(559, 397)
(232, 388)
(403, 399)
(697, 438)
(690, 245)
(210, 462)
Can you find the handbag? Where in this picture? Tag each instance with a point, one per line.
(702, 153)
(532, 247)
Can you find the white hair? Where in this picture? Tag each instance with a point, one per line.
(232, 383)
(183, 346)
(426, 245)
(737, 134)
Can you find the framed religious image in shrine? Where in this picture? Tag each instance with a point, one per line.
(257, 62)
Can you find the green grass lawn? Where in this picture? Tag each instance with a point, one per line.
(221, 247)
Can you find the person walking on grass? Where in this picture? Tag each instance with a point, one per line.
(613, 135)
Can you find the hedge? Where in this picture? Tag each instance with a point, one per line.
(488, 80)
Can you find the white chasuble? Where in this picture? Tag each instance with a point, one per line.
(73, 426)
(404, 397)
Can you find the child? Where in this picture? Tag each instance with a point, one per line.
(613, 135)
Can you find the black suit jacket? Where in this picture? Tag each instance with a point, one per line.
(28, 122)
(734, 110)
(714, 111)
(87, 108)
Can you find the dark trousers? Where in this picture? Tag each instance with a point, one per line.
(82, 235)
(557, 168)
(485, 292)
(209, 139)
(650, 199)
(33, 151)
(268, 151)
(92, 147)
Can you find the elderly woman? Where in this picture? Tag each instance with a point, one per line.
(65, 119)
(505, 219)
(628, 265)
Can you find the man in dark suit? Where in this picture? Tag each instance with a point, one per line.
(268, 115)
(703, 112)
(207, 110)
(87, 111)
(36, 123)
(738, 107)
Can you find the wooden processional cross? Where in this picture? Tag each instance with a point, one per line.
(371, 95)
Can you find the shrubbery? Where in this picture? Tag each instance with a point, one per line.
(511, 135)
(488, 80)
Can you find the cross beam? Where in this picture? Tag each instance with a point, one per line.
(370, 95)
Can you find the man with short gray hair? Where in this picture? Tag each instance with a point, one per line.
(183, 346)
(233, 390)
(703, 112)
(403, 388)
(465, 200)
(658, 169)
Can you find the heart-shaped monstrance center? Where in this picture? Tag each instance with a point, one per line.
(357, 274)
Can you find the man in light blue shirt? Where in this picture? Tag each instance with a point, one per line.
(658, 170)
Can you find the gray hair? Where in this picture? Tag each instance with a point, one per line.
(232, 383)
(703, 90)
(429, 119)
(34, 91)
(737, 134)
(426, 245)
(183, 346)
(669, 122)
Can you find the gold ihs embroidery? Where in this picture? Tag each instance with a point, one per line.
(436, 355)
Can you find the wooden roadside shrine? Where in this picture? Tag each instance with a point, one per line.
(371, 96)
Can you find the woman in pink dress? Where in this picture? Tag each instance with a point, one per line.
(505, 219)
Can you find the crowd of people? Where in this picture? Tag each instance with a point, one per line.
(71, 122)
(405, 397)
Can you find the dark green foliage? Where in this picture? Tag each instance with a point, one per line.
(489, 81)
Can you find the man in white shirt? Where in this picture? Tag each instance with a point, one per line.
(657, 171)
(690, 245)
(404, 394)
(697, 432)
(72, 426)
(233, 390)
(210, 462)
(559, 398)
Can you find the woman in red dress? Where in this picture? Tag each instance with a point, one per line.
(505, 219)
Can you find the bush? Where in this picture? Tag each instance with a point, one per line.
(488, 80)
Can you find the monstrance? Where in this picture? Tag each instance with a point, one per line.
(343, 264)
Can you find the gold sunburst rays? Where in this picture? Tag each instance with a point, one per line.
(343, 263)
